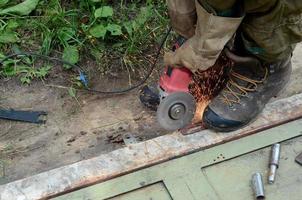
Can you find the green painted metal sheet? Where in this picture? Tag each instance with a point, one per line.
(231, 179)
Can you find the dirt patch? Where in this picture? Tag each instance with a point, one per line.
(77, 130)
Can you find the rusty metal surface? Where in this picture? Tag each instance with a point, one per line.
(144, 154)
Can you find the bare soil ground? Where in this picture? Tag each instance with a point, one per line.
(77, 130)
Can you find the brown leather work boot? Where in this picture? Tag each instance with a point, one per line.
(250, 86)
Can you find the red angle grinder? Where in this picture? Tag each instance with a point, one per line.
(170, 97)
(177, 106)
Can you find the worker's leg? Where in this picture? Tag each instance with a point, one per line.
(213, 30)
(183, 16)
(271, 28)
(267, 34)
(207, 37)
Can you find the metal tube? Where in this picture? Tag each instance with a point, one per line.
(258, 187)
(274, 163)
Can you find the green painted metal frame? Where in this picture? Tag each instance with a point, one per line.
(181, 176)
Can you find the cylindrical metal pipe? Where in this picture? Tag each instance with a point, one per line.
(274, 162)
(258, 186)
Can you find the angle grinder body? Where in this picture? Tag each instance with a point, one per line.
(177, 106)
(174, 80)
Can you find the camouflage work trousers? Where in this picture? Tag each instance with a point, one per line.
(270, 28)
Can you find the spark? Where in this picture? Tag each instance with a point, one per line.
(207, 84)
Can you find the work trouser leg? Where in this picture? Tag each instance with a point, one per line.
(183, 16)
(270, 29)
(211, 33)
(183, 13)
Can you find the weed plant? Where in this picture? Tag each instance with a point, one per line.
(114, 34)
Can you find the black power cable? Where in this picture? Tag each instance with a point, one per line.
(81, 71)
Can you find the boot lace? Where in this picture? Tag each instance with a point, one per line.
(234, 91)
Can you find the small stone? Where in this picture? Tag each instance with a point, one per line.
(72, 139)
(83, 133)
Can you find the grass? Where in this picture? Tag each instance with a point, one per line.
(113, 34)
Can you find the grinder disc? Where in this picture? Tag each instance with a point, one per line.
(176, 111)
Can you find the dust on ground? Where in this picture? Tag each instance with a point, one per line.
(77, 130)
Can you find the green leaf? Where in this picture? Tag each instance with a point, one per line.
(98, 31)
(129, 28)
(141, 19)
(8, 37)
(23, 8)
(12, 25)
(70, 54)
(9, 71)
(16, 49)
(103, 12)
(72, 92)
(47, 42)
(114, 29)
(43, 71)
(23, 69)
(144, 15)
(3, 3)
(9, 62)
(65, 34)
(25, 79)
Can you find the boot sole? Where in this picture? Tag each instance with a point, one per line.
(226, 130)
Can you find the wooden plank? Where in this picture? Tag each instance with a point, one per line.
(115, 187)
(145, 154)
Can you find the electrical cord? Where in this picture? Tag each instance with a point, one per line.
(82, 73)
